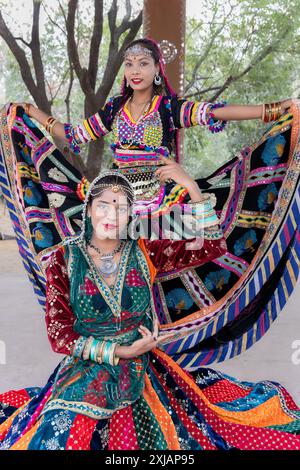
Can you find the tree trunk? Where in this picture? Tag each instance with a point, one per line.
(94, 160)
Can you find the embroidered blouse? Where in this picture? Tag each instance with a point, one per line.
(139, 143)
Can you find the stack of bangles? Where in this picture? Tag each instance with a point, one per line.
(215, 124)
(95, 350)
(51, 121)
(271, 111)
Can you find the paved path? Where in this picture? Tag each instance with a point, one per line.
(30, 360)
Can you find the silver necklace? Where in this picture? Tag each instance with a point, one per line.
(108, 266)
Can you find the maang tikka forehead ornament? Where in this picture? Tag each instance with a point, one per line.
(137, 49)
(115, 187)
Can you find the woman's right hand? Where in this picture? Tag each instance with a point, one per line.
(30, 108)
(149, 341)
(22, 105)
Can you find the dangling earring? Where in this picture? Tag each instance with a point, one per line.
(127, 84)
(157, 79)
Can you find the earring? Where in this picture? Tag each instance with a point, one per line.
(157, 79)
(127, 84)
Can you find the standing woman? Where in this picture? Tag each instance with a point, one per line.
(145, 120)
(115, 389)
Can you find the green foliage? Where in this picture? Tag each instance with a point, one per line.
(231, 38)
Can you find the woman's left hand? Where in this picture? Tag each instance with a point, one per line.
(174, 171)
(285, 105)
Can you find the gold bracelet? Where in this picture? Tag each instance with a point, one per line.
(50, 127)
(48, 122)
(278, 109)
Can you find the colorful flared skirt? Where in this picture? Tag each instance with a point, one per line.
(178, 410)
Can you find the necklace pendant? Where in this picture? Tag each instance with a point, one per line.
(108, 267)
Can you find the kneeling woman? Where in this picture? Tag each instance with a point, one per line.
(115, 389)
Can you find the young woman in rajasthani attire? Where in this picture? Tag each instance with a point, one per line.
(204, 303)
(115, 389)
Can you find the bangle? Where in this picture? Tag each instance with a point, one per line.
(87, 348)
(105, 354)
(69, 133)
(93, 350)
(79, 346)
(271, 111)
(116, 358)
(48, 122)
(50, 127)
(215, 124)
(112, 354)
(208, 198)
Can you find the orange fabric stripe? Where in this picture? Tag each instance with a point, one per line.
(161, 414)
(24, 441)
(266, 414)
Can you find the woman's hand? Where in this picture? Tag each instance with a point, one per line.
(23, 105)
(149, 341)
(285, 105)
(174, 171)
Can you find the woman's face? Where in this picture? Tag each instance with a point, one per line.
(139, 71)
(110, 214)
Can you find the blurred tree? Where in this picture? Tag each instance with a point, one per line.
(243, 52)
(73, 32)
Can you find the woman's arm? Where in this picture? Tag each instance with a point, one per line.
(168, 255)
(59, 316)
(187, 113)
(92, 128)
(236, 112)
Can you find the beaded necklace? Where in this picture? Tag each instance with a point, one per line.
(132, 135)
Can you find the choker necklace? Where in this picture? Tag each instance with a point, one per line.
(108, 266)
